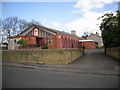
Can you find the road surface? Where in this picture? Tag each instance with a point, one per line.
(14, 77)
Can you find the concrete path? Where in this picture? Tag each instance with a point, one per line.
(93, 62)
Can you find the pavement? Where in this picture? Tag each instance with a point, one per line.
(93, 62)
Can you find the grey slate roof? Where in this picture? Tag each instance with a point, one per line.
(54, 30)
(94, 35)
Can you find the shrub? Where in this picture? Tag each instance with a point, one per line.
(97, 47)
(21, 42)
(101, 47)
(44, 47)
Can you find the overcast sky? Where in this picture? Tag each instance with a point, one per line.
(79, 15)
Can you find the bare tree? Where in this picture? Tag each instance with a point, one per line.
(9, 25)
(12, 25)
(35, 22)
(22, 25)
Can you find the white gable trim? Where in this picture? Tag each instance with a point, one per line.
(27, 31)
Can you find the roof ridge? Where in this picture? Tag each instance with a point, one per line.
(59, 31)
(53, 30)
(94, 34)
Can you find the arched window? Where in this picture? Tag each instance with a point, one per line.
(36, 31)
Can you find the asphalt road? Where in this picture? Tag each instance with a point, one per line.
(14, 77)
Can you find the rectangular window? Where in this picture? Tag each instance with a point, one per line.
(40, 33)
(43, 33)
(49, 34)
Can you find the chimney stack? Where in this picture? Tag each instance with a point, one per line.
(73, 32)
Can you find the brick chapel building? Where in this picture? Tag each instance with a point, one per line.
(36, 36)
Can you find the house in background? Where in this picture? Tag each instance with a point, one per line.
(96, 38)
(36, 36)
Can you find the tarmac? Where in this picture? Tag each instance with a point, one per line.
(93, 62)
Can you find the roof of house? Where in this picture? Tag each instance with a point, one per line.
(54, 30)
(94, 35)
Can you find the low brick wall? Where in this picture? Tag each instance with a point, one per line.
(113, 52)
(48, 56)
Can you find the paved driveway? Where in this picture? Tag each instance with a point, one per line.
(97, 59)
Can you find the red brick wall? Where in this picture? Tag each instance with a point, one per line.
(51, 42)
(89, 45)
(56, 42)
(61, 41)
(29, 40)
(42, 41)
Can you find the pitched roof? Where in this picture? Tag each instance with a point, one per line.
(94, 35)
(54, 30)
